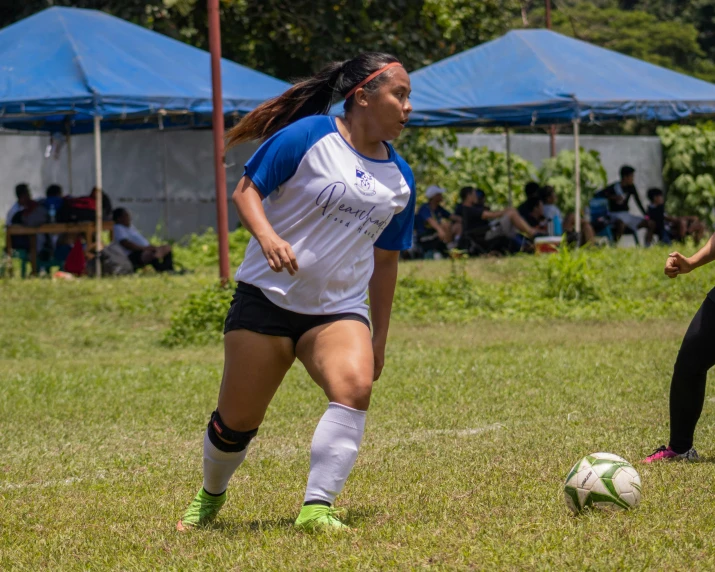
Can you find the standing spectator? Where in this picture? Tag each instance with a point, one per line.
(619, 195)
(137, 247)
(433, 223)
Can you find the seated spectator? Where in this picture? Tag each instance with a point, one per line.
(138, 248)
(106, 203)
(568, 224)
(493, 225)
(28, 212)
(433, 223)
(53, 197)
(532, 190)
(618, 196)
(669, 228)
(24, 198)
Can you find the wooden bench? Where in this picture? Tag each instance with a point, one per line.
(88, 229)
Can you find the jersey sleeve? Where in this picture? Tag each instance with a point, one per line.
(278, 158)
(398, 234)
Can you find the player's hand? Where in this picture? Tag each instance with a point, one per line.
(378, 351)
(677, 264)
(279, 254)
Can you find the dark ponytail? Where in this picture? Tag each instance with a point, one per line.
(312, 96)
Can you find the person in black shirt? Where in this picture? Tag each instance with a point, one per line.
(669, 228)
(532, 190)
(507, 223)
(618, 196)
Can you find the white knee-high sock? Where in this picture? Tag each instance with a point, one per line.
(334, 450)
(219, 466)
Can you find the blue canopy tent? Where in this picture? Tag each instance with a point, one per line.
(63, 67)
(69, 71)
(539, 77)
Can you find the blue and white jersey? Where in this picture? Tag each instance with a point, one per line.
(332, 205)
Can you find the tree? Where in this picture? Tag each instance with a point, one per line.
(135, 11)
(294, 38)
(636, 33)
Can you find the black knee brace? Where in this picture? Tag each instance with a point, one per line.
(218, 431)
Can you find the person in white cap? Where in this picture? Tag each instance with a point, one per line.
(433, 223)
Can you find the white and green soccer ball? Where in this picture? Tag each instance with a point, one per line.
(603, 481)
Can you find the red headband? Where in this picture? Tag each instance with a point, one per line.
(371, 77)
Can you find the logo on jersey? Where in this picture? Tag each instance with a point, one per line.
(365, 182)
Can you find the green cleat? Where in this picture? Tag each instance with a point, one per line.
(319, 518)
(202, 510)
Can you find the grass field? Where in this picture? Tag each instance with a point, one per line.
(472, 429)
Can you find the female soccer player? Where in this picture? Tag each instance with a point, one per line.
(330, 205)
(695, 358)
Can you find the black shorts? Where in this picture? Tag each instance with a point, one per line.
(251, 310)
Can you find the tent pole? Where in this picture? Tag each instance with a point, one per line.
(98, 197)
(69, 157)
(218, 133)
(508, 163)
(577, 177)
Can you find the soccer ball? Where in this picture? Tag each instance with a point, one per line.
(604, 481)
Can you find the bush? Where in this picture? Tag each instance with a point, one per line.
(201, 250)
(568, 275)
(689, 169)
(427, 150)
(200, 319)
(559, 172)
(486, 169)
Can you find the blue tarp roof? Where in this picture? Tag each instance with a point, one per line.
(539, 77)
(82, 63)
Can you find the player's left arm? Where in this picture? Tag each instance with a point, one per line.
(382, 292)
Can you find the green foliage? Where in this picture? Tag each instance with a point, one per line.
(689, 169)
(436, 160)
(559, 173)
(569, 276)
(425, 152)
(294, 40)
(636, 33)
(201, 250)
(487, 169)
(200, 319)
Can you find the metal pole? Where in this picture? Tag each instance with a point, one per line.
(577, 177)
(552, 128)
(98, 198)
(508, 164)
(219, 167)
(69, 157)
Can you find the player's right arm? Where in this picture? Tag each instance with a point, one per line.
(248, 200)
(678, 264)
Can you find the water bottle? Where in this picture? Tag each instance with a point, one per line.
(52, 212)
(558, 231)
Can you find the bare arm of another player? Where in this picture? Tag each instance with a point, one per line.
(382, 291)
(679, 264)
(249, 204)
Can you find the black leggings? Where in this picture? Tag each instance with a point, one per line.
(687, 390)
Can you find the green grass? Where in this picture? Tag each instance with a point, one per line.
(473, 427)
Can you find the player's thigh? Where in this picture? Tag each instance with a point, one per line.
(255, 364)
(339, 357)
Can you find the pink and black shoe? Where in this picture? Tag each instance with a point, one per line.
(664, 453)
